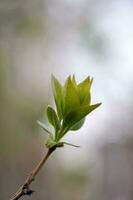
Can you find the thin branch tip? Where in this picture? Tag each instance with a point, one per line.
(25, 189)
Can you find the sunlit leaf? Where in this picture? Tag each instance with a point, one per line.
(57, 91)
(53, 119)
(71, 98)
(78, 125)
(74, 80)
(77, 114)
(84, 91)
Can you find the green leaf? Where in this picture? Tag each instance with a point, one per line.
(74, 80)
(50, 143)
(84, 91)
(77, 114)
(73, 145)
(78, 125)
(53, 119)
(58, 96)
(44, 127)
(71, 98)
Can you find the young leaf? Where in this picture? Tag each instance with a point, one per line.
(77, 114)
(53, 119)
(84, 91)
(44, 127)
(78, 125)
(74, 80)
(71, 98)
(73, 145)
(57, 91)
(50, 143)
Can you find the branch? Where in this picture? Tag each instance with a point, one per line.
(25, 189)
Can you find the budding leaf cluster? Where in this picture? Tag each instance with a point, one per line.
(73, 104)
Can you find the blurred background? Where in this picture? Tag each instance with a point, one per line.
(81, 37)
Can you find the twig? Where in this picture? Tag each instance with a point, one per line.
(25, 189)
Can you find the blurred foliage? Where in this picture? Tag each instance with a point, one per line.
(74, 179)
(28, 26)
(4, 65)
(18, 113)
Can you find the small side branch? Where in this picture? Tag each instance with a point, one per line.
(25, 188)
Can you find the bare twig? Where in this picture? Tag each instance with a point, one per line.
(25, 189)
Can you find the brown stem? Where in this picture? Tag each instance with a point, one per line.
(24, 189)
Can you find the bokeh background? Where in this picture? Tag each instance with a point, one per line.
(81, 37)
